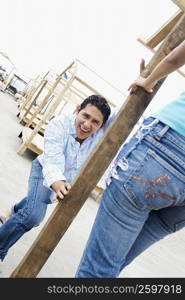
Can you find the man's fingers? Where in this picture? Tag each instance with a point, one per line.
(68, 186)
(64, 190)
(60, 195)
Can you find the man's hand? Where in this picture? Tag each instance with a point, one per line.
(61, 189)
(141, 81)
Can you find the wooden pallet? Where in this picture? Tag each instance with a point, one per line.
(37, 143)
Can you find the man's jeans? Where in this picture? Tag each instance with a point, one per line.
(28, 213)
(144, 202)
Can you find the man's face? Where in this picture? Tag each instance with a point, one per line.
(88, 121)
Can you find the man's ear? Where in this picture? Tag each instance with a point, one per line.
(77, 109)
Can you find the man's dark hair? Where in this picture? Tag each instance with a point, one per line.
(100, 102)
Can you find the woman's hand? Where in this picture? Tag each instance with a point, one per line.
(141, 81)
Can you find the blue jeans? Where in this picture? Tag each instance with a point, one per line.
(28, 213)
(144, 202)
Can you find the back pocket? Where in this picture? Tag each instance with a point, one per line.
(155, 184)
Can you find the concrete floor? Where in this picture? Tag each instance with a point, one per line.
(164, 259)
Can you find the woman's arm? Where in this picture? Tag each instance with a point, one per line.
(174, 60)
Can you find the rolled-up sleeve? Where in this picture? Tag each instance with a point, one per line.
(53, 156)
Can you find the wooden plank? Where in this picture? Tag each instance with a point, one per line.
(37, 143)
(66, 210)
(20, 100)
(43, 103)
(162, 32)
(93, 90)
(110, 84)
(35, 122)
(30, 94)
(46, 117)
(143, 42)
(99, 191)
(39, 91)
(76, 91)
(180, 3)
(31, 113)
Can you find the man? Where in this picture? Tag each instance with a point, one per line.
(68, 141)
(145, 199)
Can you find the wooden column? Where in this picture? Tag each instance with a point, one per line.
(46, 117)
(49, 94)
(66, 210)
(32, 92)
(42, 86)
(162, 32)
(180, 3)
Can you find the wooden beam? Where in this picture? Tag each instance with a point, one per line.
(45, 118)
(30, 94)
(93, 90)
(143, 42)
(180, 3)
(96, 165)
(162, 32)
(43, 84)
(33, 90)
(107, 82)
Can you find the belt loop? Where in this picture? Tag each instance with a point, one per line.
(162, 132)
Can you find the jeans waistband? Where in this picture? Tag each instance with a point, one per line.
(158, 129)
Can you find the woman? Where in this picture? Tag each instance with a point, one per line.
(145, 200)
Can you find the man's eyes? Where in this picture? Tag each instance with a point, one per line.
(96, 122)
(86, 116)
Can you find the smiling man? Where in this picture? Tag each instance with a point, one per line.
(68, 142)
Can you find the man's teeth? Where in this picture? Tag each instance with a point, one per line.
(84, 130)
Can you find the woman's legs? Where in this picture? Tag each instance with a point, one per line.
(159, 224)
(116, 228)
